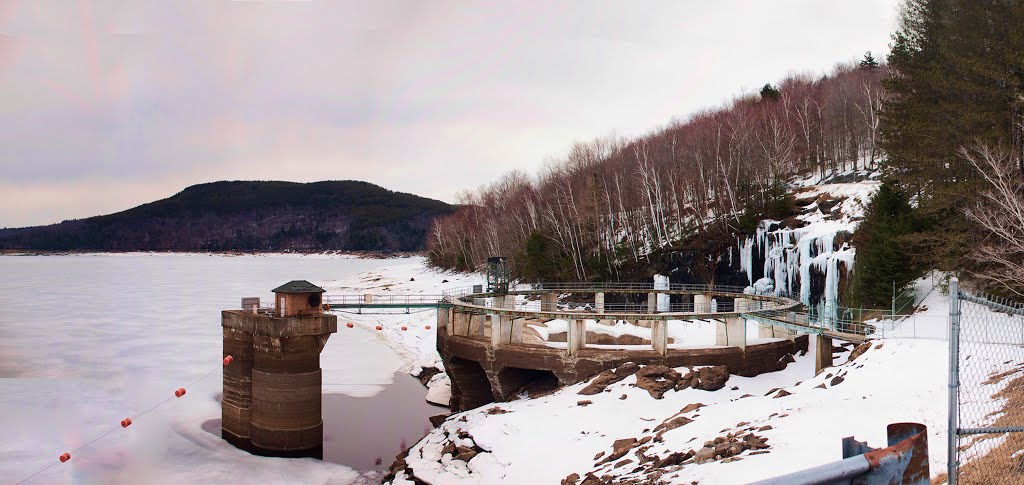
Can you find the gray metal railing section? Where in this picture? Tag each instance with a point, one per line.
(719, 300)
(376, 299)
(782, 310)
(904, 461)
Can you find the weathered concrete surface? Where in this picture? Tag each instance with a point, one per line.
(701, 303)
(236, 403)
(473, 362)
(823, 357)
(272, 385)
(659, 337)
(731, 332)
(772, 331)
(577, 338)
(549, 301)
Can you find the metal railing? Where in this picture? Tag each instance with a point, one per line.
(904, 461)
(526, 300)
(368, 299)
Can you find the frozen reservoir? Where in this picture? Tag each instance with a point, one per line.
(88, 340)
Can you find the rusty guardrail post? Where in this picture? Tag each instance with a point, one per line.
(904, 461)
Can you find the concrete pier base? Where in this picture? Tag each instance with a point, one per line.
(443, 315)
(701, 303)
(477, 325)
(742, 305)
(278, 359)
(823, 356)
(652, 303)
(460, 323)
(659, 336)
(577, 336)
(731, 332)
(548, 302)
(599, 302)
(772, 331)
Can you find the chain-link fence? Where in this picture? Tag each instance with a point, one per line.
(987, 389)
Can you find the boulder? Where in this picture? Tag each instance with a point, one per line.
(609, 377)
(657, 379)
(674, 459)
(713, 378)
(600, 383)
(465, 454)
(436, 421)
(673, 423)
(691, 407)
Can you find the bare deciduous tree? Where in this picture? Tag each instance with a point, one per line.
(1001, 214)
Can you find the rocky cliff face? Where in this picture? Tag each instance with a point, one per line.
(808, 255)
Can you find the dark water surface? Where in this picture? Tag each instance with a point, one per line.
(360, 430)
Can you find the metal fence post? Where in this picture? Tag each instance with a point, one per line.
(954, 377)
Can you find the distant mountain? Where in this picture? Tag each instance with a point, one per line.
(250, 216)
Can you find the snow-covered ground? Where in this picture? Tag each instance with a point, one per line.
(89, 340)
(547, 439)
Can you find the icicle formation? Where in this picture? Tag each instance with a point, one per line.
(789, 255)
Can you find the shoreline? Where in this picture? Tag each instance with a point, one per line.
(89, 252)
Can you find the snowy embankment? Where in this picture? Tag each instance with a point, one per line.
(764, 426)
(411, 335)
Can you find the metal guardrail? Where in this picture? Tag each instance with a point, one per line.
(904, 461)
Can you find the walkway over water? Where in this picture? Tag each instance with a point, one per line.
(677, 302)
(492, 348)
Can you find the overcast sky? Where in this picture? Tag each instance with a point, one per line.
(105, 105)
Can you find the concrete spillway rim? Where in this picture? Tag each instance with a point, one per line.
(457, 301)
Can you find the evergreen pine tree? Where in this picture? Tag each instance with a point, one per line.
(882, 258)
(868, 62)
(956, 79)
(769, 93)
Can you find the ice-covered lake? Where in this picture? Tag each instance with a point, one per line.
(87, 340)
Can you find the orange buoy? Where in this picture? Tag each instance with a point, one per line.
(349, 325)
(65, 457)
(228, 359)
(126, 422)
(180, 392)
(380, 327)
(404, 327)
(427, 327)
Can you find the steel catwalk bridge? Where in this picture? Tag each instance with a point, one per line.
(777, 310)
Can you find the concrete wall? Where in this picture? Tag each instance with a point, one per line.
(468, 390)
(272, 387)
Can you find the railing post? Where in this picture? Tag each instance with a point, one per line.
(954, 378)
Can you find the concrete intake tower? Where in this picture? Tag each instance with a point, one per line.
(272, 384)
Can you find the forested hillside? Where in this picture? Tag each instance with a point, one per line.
(250, 216)
(610, 203)
(942, 119)
(953, 129)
